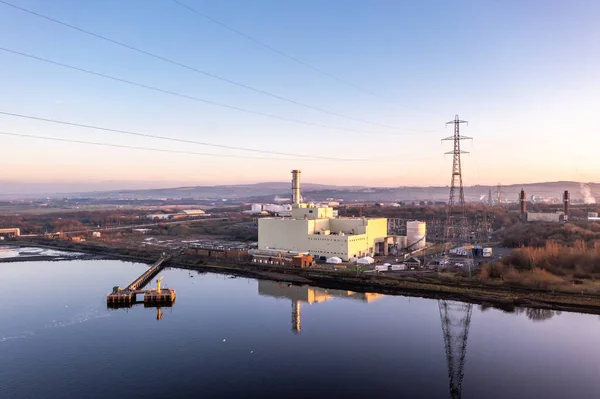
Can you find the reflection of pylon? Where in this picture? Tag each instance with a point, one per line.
(456, 222)
(456, 319)
(296, 327)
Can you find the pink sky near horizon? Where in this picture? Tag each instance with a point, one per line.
(527, 78)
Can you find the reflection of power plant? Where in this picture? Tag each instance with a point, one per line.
(307, 294)
(456, 319)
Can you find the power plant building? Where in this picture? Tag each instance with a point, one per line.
(316, 230)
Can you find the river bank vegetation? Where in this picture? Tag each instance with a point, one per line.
(554, 266)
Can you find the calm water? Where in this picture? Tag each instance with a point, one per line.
(234, 338)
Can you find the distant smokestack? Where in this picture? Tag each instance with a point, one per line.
(566, 201)
(296, 186)
(523, 202)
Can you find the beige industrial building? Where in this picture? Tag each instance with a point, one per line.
(316, 230)
(12, 232)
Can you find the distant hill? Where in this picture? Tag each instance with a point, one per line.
(266, 192)
(240, 191)
(270, 191)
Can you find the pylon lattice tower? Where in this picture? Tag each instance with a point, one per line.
(499, 194)
(456, 221)
(456, 320)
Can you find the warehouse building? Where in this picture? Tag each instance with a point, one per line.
(282, 258)
(316, 230)
(545, 217)
(278, 209)
(12, 232)
(219, 250)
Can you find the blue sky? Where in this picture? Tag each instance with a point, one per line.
(525, 74)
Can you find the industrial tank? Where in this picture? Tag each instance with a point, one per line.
(416, 232)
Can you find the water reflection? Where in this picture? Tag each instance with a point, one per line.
(299, 294)
(536, 315)
(456, 320)
(395, 346)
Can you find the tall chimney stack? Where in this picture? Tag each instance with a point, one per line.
(566, 201)
(523, 203)
(295, 187)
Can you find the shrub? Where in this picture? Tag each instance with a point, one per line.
(556, 258)
(485, 273)
(582, 275)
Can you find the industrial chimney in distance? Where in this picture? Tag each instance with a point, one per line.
(295, 187)
(523, 203)
(566, 201)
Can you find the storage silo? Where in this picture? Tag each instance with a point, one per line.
(416, 233)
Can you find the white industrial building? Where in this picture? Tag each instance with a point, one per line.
(316, 230)
(278, 209)
(545, 217)
(193, 212)
(161, 216)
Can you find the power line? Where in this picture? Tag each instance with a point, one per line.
(292, 58)
(196, 70)
(184, 95)
(172, 138)
(273, 49)
(131, 147)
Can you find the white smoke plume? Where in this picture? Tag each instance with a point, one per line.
(588, 198)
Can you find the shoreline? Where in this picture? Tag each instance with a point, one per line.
(505, 298)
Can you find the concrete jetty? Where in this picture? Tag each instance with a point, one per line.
(154, 297)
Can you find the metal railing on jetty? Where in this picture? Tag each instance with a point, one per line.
(154, 297)
(145, 278)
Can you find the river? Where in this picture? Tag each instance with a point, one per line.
(242, 338)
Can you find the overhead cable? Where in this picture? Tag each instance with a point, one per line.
(171, 138)
(277, 51)
(185, 95)
(196, 70)
(131, 147)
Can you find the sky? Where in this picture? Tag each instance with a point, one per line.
(526, 75)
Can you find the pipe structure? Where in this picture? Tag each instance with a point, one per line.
(296, 186)
(566, 201)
